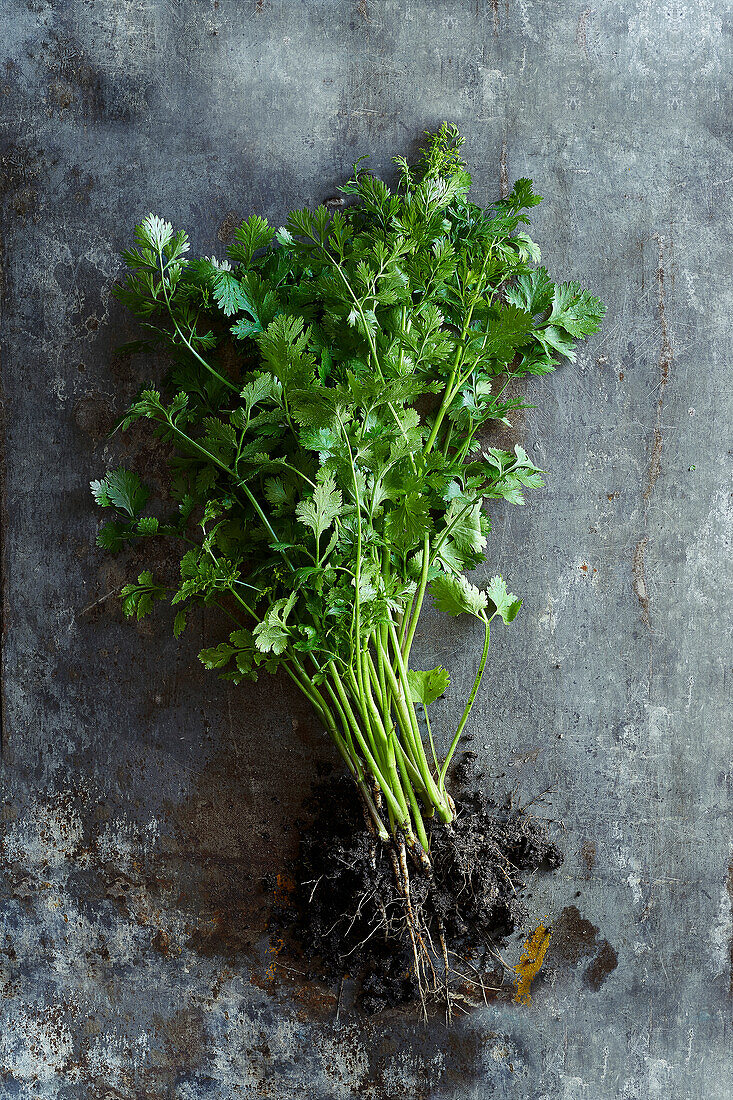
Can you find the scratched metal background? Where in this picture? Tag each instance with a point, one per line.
(143, 800)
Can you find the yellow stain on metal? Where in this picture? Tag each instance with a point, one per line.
(533, 954)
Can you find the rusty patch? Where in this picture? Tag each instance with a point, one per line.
(575, 937)
(588, 855)
(665, 361)
(602, 965)
(533, 955)
(226, 229)
(94, 415)
(581, 31)
(639, 573)
(574, 940)
(60, 96)
(161, 941)
(183, 1038)
(503, 172)
(729, 888)
(19, 171)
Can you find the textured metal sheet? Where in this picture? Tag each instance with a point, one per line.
(143, 800)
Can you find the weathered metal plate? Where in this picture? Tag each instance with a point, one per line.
(142, 800)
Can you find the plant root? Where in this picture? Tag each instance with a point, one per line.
(425, 932)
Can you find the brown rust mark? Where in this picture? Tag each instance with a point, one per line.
(602, 965)
(581, 31)
(20, 167)
(275, 947)
(229, 224)
(495, 7)
(574, 940)
(161, 941)
(181, 1044)
(729, 888)
(575, 937)
(94, 415)
(665, 361)
(533, 955)
(285, 885)
(503, 171)
(588, 855)
(640, 585)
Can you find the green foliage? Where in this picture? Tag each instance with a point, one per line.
(505, 603)
(137, 599)
(426, 687)
(319, 511)
(123, 490)
(328, 408)
(455, 595)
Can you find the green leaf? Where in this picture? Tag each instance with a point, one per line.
(407, 522)
(507, 327)
(154, 232)
(271, 638)
(533, 291)
(559, 340)
(147, 525)
(576, 310)
(179, 624)
(122, 489)
(506, 604)
(113, 536)
(262, 387)
(228, 293)
(137, 599)
(426, 687)
(276, 493)
(244, 328)
(283, 347)
(522, 196)
(249, 237)
(320, 510)
(455, 595)
(272, 634)
(463, 516)
(217, 656)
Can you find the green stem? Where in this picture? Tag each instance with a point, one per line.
(394, 804)
(450, 391)
(227, 469)
(404, 705)
(415, 809)
(415, 612)
(469, 704)
(189, 345)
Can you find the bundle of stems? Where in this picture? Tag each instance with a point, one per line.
(323, 412)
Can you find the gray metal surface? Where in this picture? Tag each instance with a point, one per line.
(143, 800)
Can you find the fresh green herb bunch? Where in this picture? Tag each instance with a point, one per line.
(328, 387)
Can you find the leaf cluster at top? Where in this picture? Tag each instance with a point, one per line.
(329, 386)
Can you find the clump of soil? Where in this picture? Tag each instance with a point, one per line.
(346, 916)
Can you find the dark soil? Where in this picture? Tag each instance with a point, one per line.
(345, 917)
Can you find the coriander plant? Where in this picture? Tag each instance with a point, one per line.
(325, 411)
